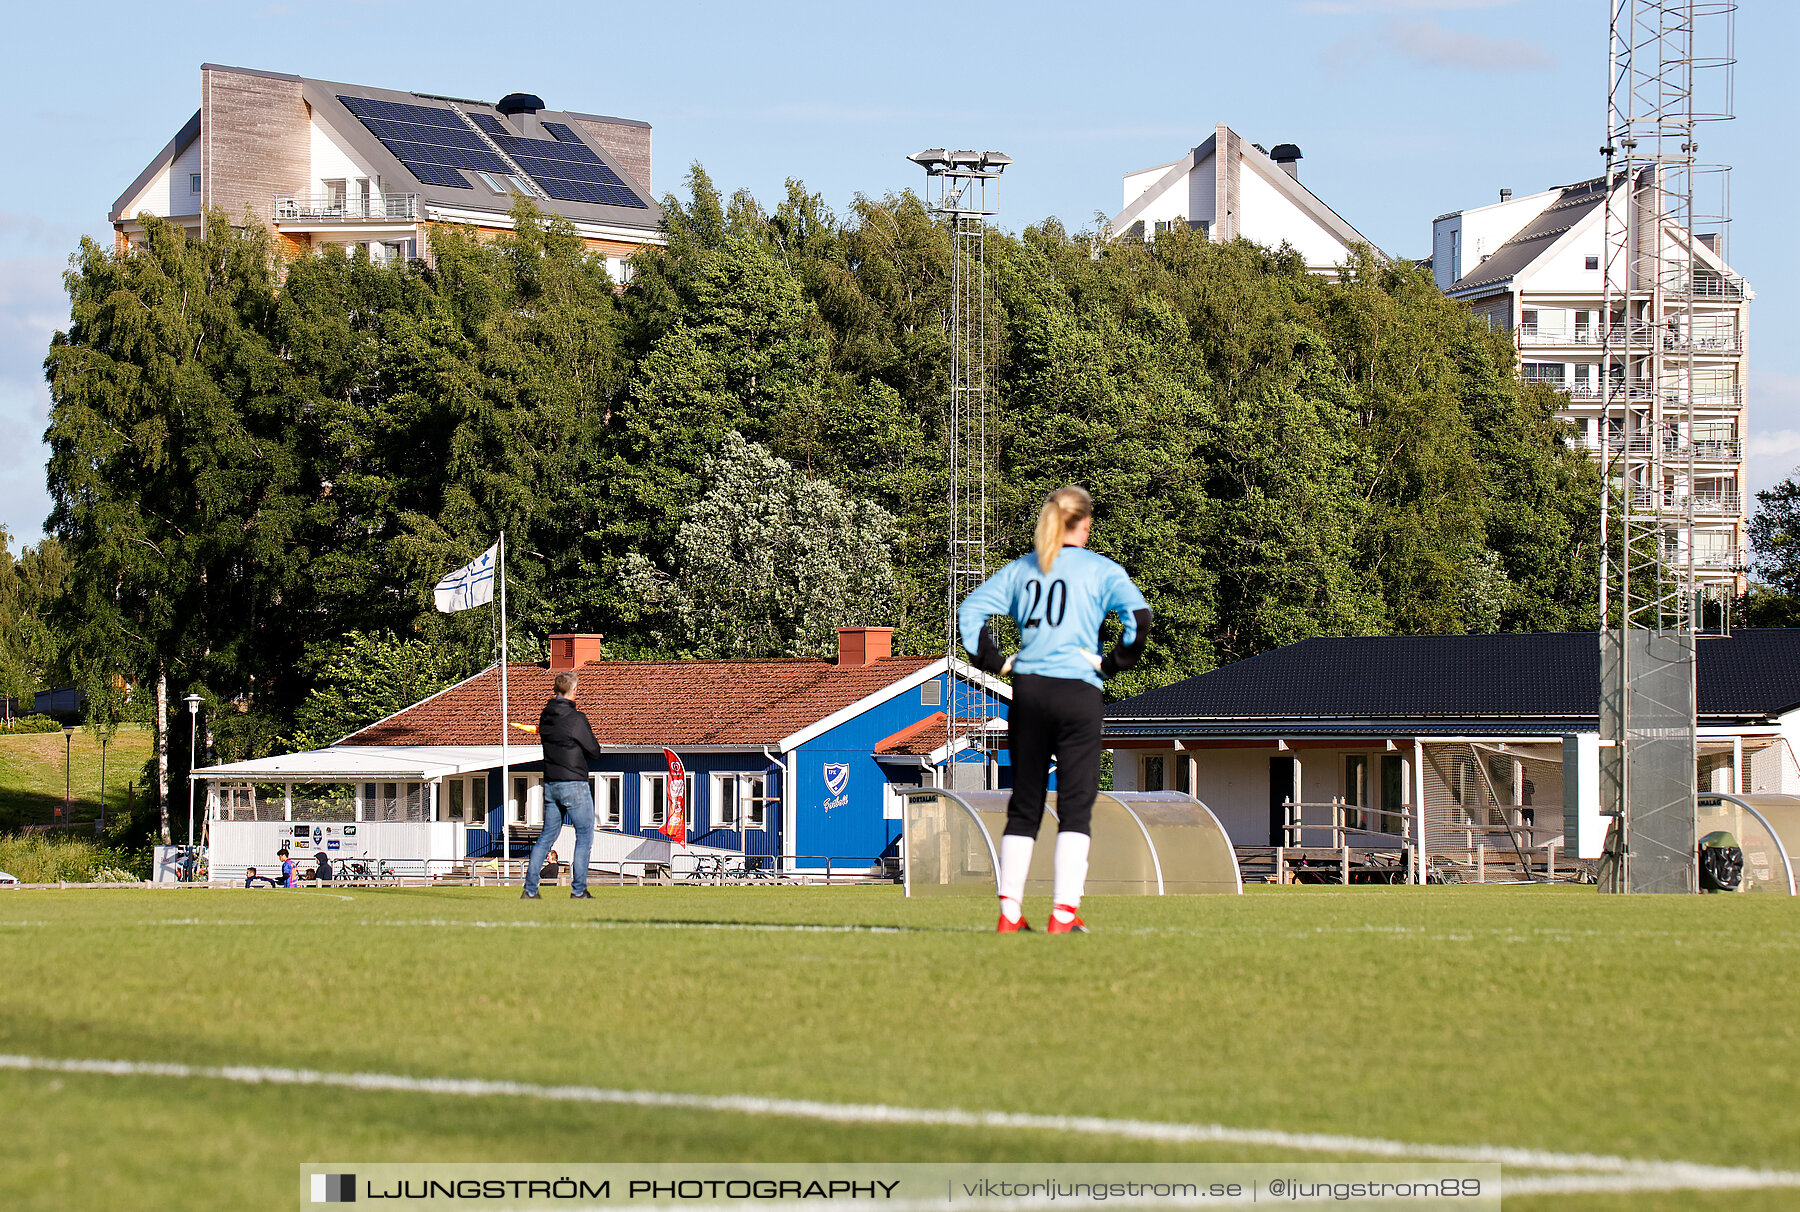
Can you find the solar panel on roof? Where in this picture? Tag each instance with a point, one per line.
(427, 115)
(439, 136)
(544, 149)
(475, 159)
(436, 174)
(434, 144)
(581, 191)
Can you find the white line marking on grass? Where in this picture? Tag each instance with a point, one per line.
(660, 924)
(1676, 1174)
(478, 924)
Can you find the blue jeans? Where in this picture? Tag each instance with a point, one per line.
(573, 802)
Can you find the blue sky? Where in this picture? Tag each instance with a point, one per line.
(1405, 109)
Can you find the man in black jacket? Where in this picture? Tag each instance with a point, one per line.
(568, 742)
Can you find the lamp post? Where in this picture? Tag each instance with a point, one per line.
(68, 742)
(193, 706)
(101, 827)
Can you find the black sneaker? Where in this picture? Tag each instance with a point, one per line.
(583, 895)
(530, 896)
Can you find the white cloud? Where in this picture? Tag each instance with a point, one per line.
(32, 307)
(1427, 43)
(1773, 446)
(1430, 44)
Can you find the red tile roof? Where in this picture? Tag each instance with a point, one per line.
(927, 736)
(650, 702)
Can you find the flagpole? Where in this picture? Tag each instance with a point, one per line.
(505, 728)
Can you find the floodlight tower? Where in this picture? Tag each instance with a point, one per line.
(1670, 71)
(956, 191)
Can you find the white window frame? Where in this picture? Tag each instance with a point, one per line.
(193, 183)
(603, 785)
(748, 812)
(533, 807)
(647, 799)
(488, 180)
(474, 806)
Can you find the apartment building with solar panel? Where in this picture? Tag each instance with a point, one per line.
(322, 164)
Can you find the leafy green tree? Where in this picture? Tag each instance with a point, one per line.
(364, 677)
(1775, 536)
(1774, 600)
(30, 649)
(769, 562)
(174, 490)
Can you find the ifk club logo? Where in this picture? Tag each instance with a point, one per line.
(334, 1188)
(837, 777)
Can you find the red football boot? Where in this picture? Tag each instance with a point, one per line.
(1073, 926)
(1016, 925)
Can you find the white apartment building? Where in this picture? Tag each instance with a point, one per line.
(321, 164)
(1532, 267)
(1228, 188)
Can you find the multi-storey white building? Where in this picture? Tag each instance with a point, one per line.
(1532, 266)
(341, 164)
(1228, 188)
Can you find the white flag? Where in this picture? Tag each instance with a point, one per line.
(469, 586)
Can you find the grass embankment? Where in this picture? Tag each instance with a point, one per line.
(31, 774)
(1554, 1018)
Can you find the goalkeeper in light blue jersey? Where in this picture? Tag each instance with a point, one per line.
(1059, 595)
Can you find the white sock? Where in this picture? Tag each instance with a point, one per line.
(1015, 864)
(1071, 870)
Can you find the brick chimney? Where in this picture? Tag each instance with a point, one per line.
(864, 645)
(573, 651)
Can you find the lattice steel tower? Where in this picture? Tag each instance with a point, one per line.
(1670, 72)
(956, 191)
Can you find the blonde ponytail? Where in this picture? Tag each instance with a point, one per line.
(1062, 510)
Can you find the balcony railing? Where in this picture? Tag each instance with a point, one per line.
(1708, 557)
(1713, 450)
(1644, 389)
(349, 208)
(1614, 443)
(1637, 389)
(1702, 502)
(1582, 334)
(1707, 450)
(1703, 285)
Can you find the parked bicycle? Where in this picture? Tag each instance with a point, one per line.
(361, 871)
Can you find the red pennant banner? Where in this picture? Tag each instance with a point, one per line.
(675, 820)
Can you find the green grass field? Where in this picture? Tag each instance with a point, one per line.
(32, 775)
(1548, 1018)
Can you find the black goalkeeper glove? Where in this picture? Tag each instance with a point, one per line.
(1124, 656)
(987, 653)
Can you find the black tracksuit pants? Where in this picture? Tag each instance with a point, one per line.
(1060, 718)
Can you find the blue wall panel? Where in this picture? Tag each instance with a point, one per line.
(847, 823)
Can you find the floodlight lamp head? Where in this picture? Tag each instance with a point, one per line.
(931, 159)
(995, 161)
(965, 159)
